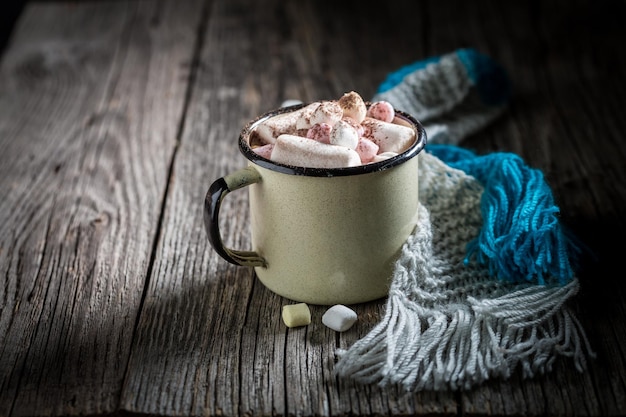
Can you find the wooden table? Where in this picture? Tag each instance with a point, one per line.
(116, 116)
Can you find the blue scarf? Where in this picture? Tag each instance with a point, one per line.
(522, 239)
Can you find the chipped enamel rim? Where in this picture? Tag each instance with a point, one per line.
(247, 151)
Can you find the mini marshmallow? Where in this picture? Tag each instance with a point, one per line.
(296, 315)
(329, 112)
(320, 132)
(273, 127)
(265, 151)
(300, 151)
(339, 318)
(382, 110)
(357, 126)
(383, 156)
(353, 106)
(389, 137)
(367, 150)
(343, 134)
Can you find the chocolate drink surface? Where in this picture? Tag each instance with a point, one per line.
(333, 196)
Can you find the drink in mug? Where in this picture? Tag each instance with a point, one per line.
(329, 211)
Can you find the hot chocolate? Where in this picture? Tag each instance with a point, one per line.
(333, 134)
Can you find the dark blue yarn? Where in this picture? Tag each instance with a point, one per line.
(521, 239)
(490, 79)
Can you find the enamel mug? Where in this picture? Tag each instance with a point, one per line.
(322, 236)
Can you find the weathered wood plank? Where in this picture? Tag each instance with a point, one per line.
(91, 96)
(253, 364)
(235, 353)
(563, 121)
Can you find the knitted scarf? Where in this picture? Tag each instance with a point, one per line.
(481, 287)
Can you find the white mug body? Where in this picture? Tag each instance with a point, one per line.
(322, 235)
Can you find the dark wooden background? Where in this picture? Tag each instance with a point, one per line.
(115, 117)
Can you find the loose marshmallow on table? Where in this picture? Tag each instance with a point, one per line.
(390, 137)
(296, 315)
(300, 151)
(339, 318)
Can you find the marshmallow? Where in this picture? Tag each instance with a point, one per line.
(323, 112)
(265, 151)
(367, 150)
(339, 318)
(351, 133)
(300, 151)
(353, 106)
(382, 110)
(296, 315)
(273, 127)
(383, 156)
(389, 137)
(320, 132)
(343, 134)
(357, 126)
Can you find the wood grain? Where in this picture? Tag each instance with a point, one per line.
(115, 117)
(91, 97)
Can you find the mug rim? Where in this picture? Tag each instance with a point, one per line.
(246, 150)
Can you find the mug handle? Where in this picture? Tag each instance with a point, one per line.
(218, 190)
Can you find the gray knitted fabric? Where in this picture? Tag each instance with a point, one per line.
(448, 324)
(451, 326)
(445, 99)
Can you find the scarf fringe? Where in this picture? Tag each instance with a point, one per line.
(433, 339)
(462, 345)
(487, 297)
